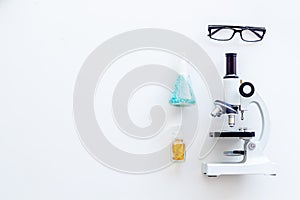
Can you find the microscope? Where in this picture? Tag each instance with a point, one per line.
(238, 97)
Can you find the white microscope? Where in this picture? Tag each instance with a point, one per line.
(238, 96)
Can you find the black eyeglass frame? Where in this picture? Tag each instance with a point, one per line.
(212, 29)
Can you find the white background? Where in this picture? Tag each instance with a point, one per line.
(42, 47)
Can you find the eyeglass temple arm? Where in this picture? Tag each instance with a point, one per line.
(258, 35)
(218, 28)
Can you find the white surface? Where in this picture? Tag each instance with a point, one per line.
(42, 47)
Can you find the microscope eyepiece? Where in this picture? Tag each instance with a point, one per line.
(230, 65)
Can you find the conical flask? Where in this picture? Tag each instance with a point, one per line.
(182, 94)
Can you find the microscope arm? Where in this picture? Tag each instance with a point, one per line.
(265, 129)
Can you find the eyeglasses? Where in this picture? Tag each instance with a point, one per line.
(225, 33)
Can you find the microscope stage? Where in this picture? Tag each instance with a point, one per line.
(229, 134)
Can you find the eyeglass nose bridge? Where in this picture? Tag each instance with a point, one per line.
(237, 31)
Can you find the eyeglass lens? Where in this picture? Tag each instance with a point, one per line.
(222, 34)
(249, 35)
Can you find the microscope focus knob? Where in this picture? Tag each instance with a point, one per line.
(246, 92)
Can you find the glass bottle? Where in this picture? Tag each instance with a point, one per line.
(178, 150)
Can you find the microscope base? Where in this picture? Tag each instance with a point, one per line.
(218, 169)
